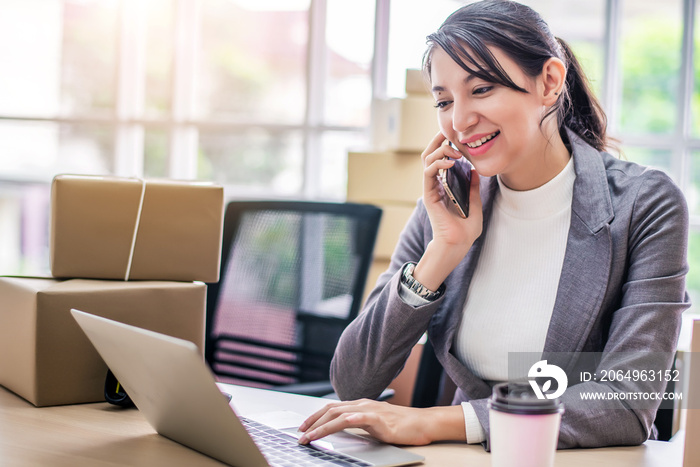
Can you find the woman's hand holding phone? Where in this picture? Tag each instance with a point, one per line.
(452, 234)
(456, 182)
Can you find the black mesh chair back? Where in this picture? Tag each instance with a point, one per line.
(292, 278)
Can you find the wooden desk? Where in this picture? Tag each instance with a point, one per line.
(103, 435)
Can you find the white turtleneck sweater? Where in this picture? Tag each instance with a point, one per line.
(512, 292)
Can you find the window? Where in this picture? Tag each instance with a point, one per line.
(262, 96)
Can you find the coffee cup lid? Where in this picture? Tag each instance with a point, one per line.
(520, 398)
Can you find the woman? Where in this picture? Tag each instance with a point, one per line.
(566, 251)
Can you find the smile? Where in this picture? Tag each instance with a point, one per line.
(479, 142)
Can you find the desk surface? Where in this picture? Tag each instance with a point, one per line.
(104, 435)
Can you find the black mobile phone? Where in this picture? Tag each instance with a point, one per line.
(456, 181)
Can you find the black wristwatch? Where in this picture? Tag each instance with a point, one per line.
(416, 287)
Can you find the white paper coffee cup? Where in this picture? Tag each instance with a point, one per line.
(524, 429)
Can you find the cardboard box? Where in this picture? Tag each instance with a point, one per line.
(394, 218)
(47, 359)
(416, 83)
(384, 177)
(376, 269)
(404, 125)
(175, 227)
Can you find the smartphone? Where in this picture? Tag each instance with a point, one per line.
(456, 181)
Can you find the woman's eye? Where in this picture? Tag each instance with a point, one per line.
(482, 90)
(442, 104)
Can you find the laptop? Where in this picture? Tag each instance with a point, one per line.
(171, 385)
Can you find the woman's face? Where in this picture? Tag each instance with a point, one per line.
(497, 128)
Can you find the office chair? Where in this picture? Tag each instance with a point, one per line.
(292, 278)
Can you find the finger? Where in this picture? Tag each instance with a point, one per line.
(313, 418)
(433, 167)
(330, 422)
(340, 410)
(443, 152)
(346, 420)
(452, 150)
(331, 414)
(329, 411)
(434, 144)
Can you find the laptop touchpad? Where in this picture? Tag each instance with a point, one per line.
(289, 422)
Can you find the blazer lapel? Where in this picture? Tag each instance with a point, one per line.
(587, 260)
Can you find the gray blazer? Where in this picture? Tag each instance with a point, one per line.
(622, 289)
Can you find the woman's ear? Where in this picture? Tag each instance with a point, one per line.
(553, 79)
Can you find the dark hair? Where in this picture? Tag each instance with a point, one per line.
(523, 35)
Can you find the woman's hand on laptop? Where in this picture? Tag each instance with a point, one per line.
(389, 423)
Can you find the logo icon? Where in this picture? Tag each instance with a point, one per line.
(542, 369)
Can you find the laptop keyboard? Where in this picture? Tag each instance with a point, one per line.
(282, 450)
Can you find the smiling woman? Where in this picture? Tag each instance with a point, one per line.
(566, 251)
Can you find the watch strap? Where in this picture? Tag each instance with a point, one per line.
(416, 287)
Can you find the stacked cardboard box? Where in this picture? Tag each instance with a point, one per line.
(390, 175)
(122, 248)
(405, 124)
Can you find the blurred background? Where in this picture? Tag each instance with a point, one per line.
(268, 96)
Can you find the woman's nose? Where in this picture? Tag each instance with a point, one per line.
(463, 118)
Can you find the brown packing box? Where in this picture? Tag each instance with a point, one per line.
(93, 220)
(394, 218)
(385, 177)
(376, 269)
(404, 125)
(44, 355)
(416, 83)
